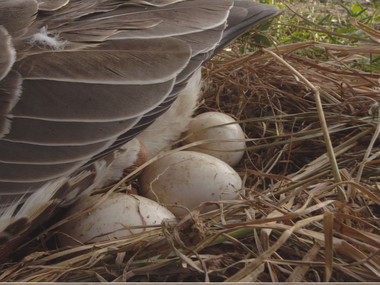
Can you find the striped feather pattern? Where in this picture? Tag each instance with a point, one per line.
(80, 78)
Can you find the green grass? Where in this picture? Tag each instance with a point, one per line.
(318, 21)
(331, 16)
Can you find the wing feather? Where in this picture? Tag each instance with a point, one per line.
(116, 62)
(17, 15)
(26, 153)
(104, 102)
(43, 132)
(25, 173)
(7, 53)
(126, 61)
(51, 5)
(80, 78)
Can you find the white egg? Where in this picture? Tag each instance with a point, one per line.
(112, 218)
(230, 152)
(188, 178)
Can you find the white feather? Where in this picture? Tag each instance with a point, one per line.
(45, 38)
(11, 50)
(168, 127)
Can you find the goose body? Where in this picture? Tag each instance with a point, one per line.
(80, 78)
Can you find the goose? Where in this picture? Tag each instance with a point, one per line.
(80, 80)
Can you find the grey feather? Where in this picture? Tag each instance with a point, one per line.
(79, 79)
(17, 15)
(115, 62)
(26, 153)
(51, 5)
(43, 132)
(8, 54)
(100, 100)
(35, 173)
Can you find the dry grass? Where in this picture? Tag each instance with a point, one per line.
(294, 221)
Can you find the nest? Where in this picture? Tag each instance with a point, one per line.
(310, 207)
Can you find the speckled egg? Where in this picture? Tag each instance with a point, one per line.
(113, 218)
(184, 179)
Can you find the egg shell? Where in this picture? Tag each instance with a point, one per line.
(189, 178)
(112, 218)
(199, 128)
